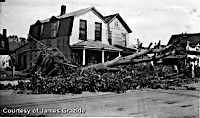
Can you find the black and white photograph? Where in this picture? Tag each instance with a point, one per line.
(100, 58)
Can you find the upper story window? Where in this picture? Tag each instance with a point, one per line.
(53, 29)
(116, 23)
(98, 31)
(83, 30)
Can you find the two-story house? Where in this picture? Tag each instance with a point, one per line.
(84, 34)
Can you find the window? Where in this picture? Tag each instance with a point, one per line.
(124, 43)
(53, 29)
(116, 24)
(110, 37)
(124, 39)
(98, 30)
(83, 30)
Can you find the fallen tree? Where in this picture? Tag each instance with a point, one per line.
(50, 60)
(158, 53)
(53, 73)
(61, 60)
(132, 59)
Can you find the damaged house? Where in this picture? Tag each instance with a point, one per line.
(84, 34)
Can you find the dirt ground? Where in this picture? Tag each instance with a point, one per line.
(150, 103)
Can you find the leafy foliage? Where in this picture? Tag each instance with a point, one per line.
(132, 77)
(52, 74)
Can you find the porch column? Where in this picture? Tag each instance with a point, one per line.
(83, 62)
(119, 55)
(193, 74)
(102, 56)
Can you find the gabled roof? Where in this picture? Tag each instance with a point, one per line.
(110, 18)
(75, 13)
(96, 45)
(192, 37)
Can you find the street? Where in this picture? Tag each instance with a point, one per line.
(152, 103)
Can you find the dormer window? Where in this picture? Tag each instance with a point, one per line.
(83, 30)
(53, 29)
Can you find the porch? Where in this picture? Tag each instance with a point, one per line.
(93, 52)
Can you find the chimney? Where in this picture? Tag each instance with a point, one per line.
(63, 9)
(4, 32)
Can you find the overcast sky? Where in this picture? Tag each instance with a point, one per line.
(150, 20)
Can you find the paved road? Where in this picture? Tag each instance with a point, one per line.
(142, 103)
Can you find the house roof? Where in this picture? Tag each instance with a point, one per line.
(75, 13)
(96, 45)
(110, 18)
(126, 48)
(194, 38)
(106, 19)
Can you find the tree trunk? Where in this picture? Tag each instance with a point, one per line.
(131, 59)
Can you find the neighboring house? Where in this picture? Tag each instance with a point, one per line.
(82, 34)
(190, 45)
